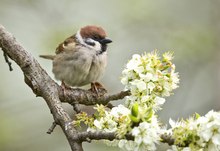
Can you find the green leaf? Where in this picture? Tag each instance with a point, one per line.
(134, 119)
(134, 109)
(149, 113)
(197, 115)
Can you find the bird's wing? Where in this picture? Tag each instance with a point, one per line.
(69, 45)
(66, 45)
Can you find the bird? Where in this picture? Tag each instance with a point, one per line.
(81, 59)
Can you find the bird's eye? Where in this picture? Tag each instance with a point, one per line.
(95, 38)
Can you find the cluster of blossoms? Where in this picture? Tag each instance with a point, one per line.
(149, 79)
(116, 120)
(146, 135)
(199, 133)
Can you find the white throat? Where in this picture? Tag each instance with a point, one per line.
(96, 47)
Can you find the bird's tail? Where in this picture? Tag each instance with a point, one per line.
(50, 57)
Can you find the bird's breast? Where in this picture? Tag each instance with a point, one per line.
(80, 67)
(98, 66)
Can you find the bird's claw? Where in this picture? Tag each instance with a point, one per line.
(98, 89)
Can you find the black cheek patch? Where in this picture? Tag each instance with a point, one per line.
(104, 47)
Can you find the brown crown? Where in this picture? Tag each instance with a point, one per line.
(92, 32)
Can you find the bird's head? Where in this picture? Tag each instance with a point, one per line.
(93, 37)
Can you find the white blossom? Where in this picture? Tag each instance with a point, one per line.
(127, 145)
(146, 77)
(120, 110)
(159, 101)
(168, 56)
(134, 62)
(106, 123)
(151, 86)
(146, 135)
(140, 85)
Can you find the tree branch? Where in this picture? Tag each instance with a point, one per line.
(87, 97)
(99, 135)
(84, 136)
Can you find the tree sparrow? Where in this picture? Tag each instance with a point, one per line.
(81, 59)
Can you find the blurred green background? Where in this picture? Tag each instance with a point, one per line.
(190, 28)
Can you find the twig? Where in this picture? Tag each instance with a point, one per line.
(7, 61)
(84, 136)
(115, 97)
(109, 105)
(50, 130)
(98, 135)
(6, 57)
(76, 107)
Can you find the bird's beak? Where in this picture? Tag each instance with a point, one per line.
(105, 41)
